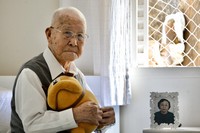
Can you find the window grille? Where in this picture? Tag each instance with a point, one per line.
(168, 33)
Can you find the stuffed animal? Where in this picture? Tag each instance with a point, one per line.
(66, 92)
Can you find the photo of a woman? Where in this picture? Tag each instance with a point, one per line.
(164, 115)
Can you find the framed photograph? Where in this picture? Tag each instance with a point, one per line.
(164, 110)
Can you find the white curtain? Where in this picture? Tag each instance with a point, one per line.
(116, 53)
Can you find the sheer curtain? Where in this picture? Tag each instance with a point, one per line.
(116, 51)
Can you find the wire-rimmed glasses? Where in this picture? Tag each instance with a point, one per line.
(70, 34)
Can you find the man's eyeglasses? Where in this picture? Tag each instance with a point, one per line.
(70, 34)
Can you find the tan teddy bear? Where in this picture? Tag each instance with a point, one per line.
(66, 92)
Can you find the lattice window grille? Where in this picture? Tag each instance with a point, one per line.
(141, 33)
(151, 16)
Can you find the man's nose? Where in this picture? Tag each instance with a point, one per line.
(73, 41)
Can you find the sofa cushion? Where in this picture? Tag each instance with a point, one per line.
(5, 109)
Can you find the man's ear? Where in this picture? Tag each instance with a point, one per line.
(48, 34)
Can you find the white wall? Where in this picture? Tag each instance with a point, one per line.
(22, 34)
(136, 116)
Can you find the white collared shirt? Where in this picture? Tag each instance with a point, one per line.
(30, 100)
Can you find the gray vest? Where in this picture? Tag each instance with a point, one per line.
(40, 67)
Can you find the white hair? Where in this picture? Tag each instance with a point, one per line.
(72, 11)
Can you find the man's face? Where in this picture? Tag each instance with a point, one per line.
(64, 48)
(164, 107)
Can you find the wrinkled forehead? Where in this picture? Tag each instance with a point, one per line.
(69, 18)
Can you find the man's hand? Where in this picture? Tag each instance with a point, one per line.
(88, 112)
(108, 116)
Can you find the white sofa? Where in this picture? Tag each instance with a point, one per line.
(6, 84)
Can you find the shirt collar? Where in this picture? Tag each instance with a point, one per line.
(54, 66)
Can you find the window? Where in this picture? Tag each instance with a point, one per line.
(167, 33)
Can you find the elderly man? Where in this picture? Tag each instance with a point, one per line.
(30, 112)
